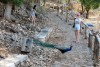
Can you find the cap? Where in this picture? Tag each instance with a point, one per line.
(78, 14)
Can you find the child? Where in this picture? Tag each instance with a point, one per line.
(32, 14)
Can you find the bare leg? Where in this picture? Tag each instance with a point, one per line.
(33, 21)
(78, 35)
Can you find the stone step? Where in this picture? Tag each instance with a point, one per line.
(26, 45)
(44, 34)
(13, 60)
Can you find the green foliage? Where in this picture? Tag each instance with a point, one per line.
(15, 2)
(4, 1)
(96, 5)
(98, 1)
(89, 4)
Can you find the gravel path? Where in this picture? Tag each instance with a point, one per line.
(63, 34)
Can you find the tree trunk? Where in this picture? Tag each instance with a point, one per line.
(44, 1)
(7, 13)
(87, 14)
(67, 20)
(82, 9)
(3, 10)
(13, 9)
(68, 1)
(57, 7)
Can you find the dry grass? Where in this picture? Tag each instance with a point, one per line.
(4, 53)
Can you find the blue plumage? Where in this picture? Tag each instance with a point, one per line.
(64, 50)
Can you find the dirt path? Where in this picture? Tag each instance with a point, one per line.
(63, 34)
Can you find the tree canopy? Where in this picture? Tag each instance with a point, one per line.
(15, 2)
(90, 4)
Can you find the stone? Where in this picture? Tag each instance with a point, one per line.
(44, 34)
(1, 37)
(21, 58)
(15, 37)
(6, 64)
(13, 60)
(26, 45)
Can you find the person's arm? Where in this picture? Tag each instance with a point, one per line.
(80, 21)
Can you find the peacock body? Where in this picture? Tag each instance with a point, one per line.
(44, 44)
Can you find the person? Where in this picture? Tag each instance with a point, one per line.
(33, 15)
(77, 22)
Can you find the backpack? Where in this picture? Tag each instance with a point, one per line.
(74, 23)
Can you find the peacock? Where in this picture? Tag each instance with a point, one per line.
(45, 44)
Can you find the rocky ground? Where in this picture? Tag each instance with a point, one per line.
(11, 38)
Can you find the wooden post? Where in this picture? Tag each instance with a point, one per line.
(85, 32)
(67, 20)
(90, 40)
(96, 50)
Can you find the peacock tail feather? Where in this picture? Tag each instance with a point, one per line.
(40, 43)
